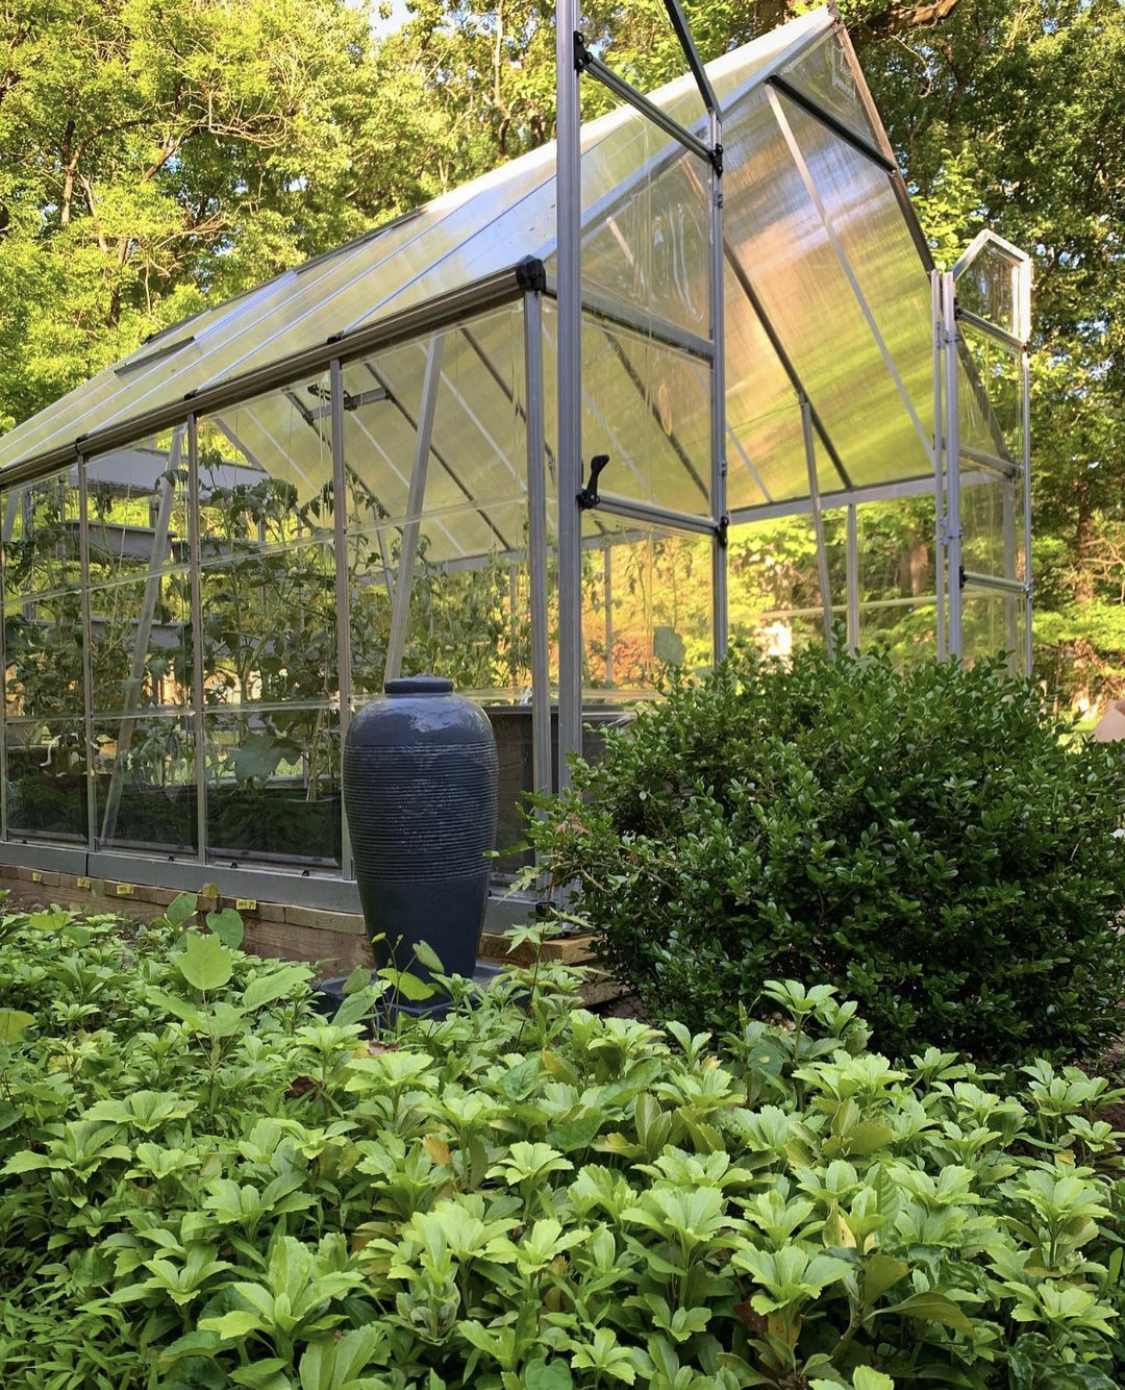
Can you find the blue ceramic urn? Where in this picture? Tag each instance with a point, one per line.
(420, 778)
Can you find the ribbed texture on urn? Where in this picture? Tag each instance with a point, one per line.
(420, 787)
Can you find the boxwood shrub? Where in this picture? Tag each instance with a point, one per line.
(933, 842)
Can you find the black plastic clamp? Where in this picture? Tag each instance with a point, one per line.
(588, 497)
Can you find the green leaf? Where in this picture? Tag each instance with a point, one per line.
(238, 1323)
(12, 1024)
(191, 1344)
(868, 1137)
(227, 926)
(264, 989)
(934, 1307)
(205, 962)
(408, 985)
(547, 1375)
(576, 1134)
(182, 909)
(359, 979)
(864, 1378)
(263, 1375)
(425, 955)
(356, 1006)
(880, 1274)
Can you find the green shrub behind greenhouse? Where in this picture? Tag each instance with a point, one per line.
(932, 842)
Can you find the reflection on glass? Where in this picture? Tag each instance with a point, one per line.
(47, 778)
(273, 786)
(144, 770)
(774, 596)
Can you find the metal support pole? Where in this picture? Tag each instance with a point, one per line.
(537, 543)
(1025, 383)
(142, 637)
(568, 195)
(1011, 619)
(853, 580)
(343, 585)
(9, 523)
(939, 466)
(818, 523)
(87, 654)
(408, 549)
(952, 465)
(719, 606)
(195, 523)
(607, 574)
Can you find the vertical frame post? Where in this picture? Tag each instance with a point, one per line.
(939, 465)
(9, 522)
(1025, 386)
(197, 693)
(343, 587)
(818, 523)
(853, 580)
(87, 654)
(952, 463)
(537, 541)
(568, 213)
(720, 613)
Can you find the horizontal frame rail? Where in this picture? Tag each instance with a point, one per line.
(971, 579)
(585, 61)
(1005, 468)
(654, 515)
(991, 329)
(490, 292)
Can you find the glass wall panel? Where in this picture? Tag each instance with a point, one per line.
(43, 659)
(140, 634)
(145, 772)
(992, 623)
(989, 287)
(774, 599)
(646, 607)
(137, 501)
(897, 577)
(46, 770)
(273, 786)
(996, 367)
(269, 639)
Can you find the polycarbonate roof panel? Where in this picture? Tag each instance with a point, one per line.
(645, 208)
(825, 75)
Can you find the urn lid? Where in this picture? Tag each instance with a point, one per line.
(419, 710)
(419, 685)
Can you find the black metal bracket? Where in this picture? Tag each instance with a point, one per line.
(588, 498)
(582, 55)
(961, 576)
(722, 530)
(531, 274)
(717, 160)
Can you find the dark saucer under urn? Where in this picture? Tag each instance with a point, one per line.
(420, 778)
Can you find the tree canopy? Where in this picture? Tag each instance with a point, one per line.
(157, 157)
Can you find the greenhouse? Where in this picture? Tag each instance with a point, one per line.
(530, 437)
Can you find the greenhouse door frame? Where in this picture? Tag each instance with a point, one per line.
(958, 463)
(573, 60)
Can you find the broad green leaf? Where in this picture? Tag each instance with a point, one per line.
(934, 1307)
(359, 979)
(406, 984)
(425, 955)
(182, 909)
(227, 926)
(205, 962)
(191, 1344)
(548, 1375)
(880, 1274)
(12, 1024)
(573, 1135)
(356, 1006)
(264, 989)
(238, 1323)
(865, 1378)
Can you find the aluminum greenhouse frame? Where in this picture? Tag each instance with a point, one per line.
(716, 299)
